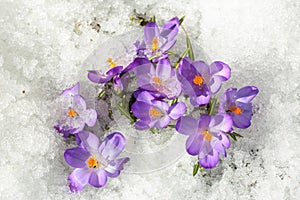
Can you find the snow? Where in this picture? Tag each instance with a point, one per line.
(43, 47)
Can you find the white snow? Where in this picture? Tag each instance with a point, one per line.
(43, 45)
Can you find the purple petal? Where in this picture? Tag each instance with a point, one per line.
(77, 157)
(221, 122)
(193, 144)
(163, 69)
(204, 122)
(220, 69)
(114, 167)
(227, 99)
(215, 84)
(78, 179)
(97, 76)
(74, 90)
(167, 46)
(224, 140)
(163, 122)
(187, 125)
(177, 110)
(151, 31)
(203, 69)
(200, 100)
(91, 117)
(145, 97)
(98, 178)
(219, 148)
(143, 67)
(246, 94)
(241, 121)
(112, 146)
(141, 110)
(140, 125)
(210, 161)
(170, 28)
(79, 101)
(87, 140)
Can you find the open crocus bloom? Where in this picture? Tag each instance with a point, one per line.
(162, 79)
(74, 114)
(94, 161)
(157, 42)
(155, 113)
(237, 103)
(207, 137)
(200, 81)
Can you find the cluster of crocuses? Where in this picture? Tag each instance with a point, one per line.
(93, 161)
(160, 83)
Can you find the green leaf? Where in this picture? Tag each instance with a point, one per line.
(101, 94)
(189, 46)
(182, 56)
(196, 168)
(181, 20)
(153, 19)
(123, 112)
(212, 104)
(233, 135)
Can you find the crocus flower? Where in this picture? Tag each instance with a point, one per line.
(74, 114)
(94, 162)
(155, 113)
(237, 103)
(200, 80)
(162, 79)
(206, 137)
(157, 42)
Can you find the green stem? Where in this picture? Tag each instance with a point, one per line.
(212, 106)
(123, 112)
(182, 56)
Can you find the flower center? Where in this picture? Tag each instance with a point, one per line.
(235, 110)
(198, 80)
(72, 113)
(111, 62)
(157, 80)
(92, 162)
(207, 135)
(155, 113)
(154, 44)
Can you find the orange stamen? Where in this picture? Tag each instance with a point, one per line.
(235, 110)
(111, 62)
(72, 113)
(207, 135)
(154, 112)
(157, 80)
(198, 80)
(154, 44)
(92, 162)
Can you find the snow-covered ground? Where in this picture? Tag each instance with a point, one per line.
(43, 45)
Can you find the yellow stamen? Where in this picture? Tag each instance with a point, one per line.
(207, 135)
(92, 162)
(154, 44)
(198, 80)
(155, 113)
(157, 80)
(111, 62)
(235, 110)
(72, 113)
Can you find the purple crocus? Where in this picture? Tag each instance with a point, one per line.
(237, 103)
(200, 80)
(74, 114)
(94, 162)
(157, 42)
(162, 79)
(152, 112)
(207, 137)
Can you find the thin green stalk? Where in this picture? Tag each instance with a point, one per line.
(182, 56)
(212, 106)
(123, 112)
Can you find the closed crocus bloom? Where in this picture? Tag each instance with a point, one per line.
(74, 113)
(152, 112)
(237, 103)
(200, 81)
(95, 161)
(206, 137)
